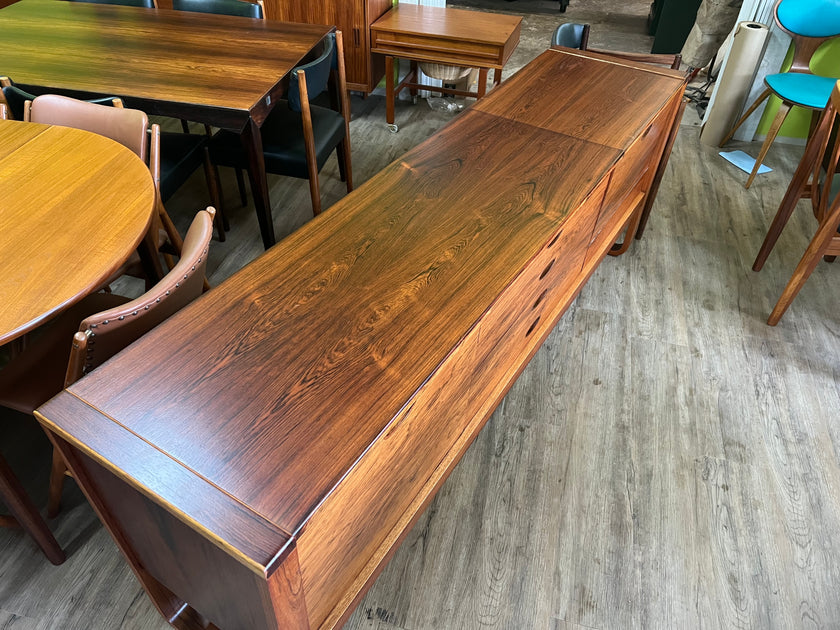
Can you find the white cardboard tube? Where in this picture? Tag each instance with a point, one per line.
(735, 80)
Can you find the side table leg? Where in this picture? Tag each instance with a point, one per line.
(497, 76)
(415, 74)
(389, 90)
(482, 82)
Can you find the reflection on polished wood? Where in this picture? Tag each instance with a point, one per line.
(75, 206)
(215, 69)
(288, 428)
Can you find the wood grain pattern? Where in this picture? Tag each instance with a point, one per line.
(178, 60)
(616, 122)
(75, 206)
(333, 404)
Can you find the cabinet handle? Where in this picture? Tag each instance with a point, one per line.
(357, 37)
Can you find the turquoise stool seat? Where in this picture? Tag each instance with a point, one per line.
(806, 90)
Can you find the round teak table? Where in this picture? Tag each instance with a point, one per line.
(73, 207)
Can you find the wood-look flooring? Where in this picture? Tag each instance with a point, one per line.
(666, 460)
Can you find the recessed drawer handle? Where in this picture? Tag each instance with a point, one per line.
(546, 270)
(534, 325)
(554, 240)
(540, 299)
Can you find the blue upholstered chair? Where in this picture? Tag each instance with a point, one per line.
(571, 35)
(810, 23)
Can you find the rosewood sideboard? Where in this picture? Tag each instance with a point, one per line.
(259, 456)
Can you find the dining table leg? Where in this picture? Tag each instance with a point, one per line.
(26, 514)
(252, 143)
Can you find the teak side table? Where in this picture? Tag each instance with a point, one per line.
(447, 36)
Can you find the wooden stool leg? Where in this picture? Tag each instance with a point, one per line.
(797, 187)
(784, 108)
(816, 248)
(762, 97)
(21, 506)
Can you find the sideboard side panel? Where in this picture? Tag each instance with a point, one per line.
(215, 584)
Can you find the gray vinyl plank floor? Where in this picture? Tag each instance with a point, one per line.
(666, 460)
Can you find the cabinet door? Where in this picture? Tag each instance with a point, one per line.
(375, 10)
(347, 16)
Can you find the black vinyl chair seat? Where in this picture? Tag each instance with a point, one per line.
(181, 154)
(283, 144)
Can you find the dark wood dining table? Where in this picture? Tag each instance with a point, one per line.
(73, 207)
(227, 72)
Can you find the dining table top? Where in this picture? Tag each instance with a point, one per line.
(73, 207)
(217, 69)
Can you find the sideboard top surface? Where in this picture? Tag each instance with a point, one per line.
(267, 390)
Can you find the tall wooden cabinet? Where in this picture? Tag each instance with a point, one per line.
(353, 18)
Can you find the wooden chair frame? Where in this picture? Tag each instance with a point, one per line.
(806, 182)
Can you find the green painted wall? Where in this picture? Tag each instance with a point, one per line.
(825, 62)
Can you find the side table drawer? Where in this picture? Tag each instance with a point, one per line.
(439, 49)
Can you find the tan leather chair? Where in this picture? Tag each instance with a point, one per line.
(43, 368)
(816, 179)
(129, 127)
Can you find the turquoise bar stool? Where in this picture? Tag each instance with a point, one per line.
(810, 23)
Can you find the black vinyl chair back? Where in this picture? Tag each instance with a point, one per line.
(237, 8)
(15, 99)
(143, 4)
(571, 35)
(317, 74)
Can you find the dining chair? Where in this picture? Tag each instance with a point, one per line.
(573, 35)
(130, 127)
(143, 4)
(297, 136)
(810, 23)
(67, 350)
(815, 178)
(237, 8)
(15, 99)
